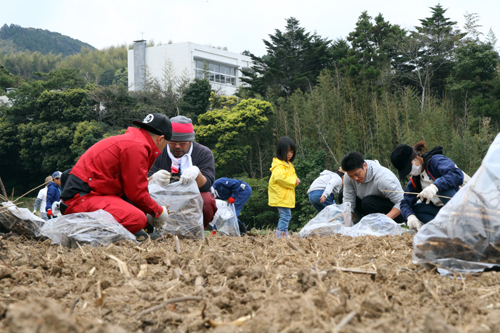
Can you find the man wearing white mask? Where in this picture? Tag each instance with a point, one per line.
(433, 176)
(187, 161)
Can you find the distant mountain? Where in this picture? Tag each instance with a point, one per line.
(15, 38)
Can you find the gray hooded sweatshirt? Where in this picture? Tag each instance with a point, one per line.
(328, 182)
(377, 179)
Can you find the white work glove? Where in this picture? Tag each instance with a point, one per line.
(56, 208)
(189, 175)
(159, 221)
(428, 193)
(161, 177)
(414, 223)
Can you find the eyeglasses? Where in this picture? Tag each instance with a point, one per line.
(175, 143)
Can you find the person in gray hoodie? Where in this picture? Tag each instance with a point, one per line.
(365, 186)
(323, 188)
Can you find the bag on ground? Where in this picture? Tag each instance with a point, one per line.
(374, 225)
(19, 220)
(95, 228)
(225, 219)
(465, 234)
(185, 208)
(329, 221)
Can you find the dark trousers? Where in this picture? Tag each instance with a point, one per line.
(372, 204)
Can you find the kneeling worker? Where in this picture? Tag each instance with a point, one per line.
(371, 188)
(112, 175)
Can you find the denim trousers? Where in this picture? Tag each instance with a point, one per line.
(314, 197)
(285, 217)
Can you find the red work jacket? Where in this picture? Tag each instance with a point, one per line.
(119, 166)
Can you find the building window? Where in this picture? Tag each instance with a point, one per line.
(216, 73)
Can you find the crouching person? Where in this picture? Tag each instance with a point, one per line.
(431, 174)
(112, 175)
(322, 190)
(236, 192)
(371, 188)
(186, 160)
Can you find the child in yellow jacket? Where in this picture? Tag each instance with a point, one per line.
(282, 184)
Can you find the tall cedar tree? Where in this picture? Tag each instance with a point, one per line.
(440, 39)
(370, 51)
(293, 61)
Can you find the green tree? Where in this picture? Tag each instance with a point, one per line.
(7, 80)
(236, 136)
(196, 99)
(293, 61)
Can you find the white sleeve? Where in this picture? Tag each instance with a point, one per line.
(334, 185)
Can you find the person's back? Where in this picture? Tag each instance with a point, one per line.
(322, 190)
(101, 166)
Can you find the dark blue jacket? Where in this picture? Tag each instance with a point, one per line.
(227, 187)
(438, 167)
(53, 194)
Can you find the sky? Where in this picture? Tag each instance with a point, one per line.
(236, 24)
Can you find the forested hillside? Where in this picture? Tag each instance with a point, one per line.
(378, 87)
(15, 38)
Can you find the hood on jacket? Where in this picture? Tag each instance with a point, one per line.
(438, 150)
(326, 173)
(371, 166)
(277, 162)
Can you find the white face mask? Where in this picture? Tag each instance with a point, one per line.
(415, 170)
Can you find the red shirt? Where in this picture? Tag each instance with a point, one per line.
(119, 166)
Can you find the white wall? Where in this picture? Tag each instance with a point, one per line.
(182, 56)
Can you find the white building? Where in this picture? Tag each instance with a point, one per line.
(224, 68)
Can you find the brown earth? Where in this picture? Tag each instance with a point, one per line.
(47, 288)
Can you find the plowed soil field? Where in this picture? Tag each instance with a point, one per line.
(262, 283)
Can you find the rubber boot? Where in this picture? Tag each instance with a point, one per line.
(285, 234)
(279, 233)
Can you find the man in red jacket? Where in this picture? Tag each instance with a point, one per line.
(112, 175)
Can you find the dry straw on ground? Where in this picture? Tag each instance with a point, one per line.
(245, 284)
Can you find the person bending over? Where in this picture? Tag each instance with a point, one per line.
(370, 188)
(432, 174)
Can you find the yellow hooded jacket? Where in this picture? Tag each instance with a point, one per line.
(282, 184)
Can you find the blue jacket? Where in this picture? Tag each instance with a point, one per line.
(53, 194)
(445, 173)
(227, 187)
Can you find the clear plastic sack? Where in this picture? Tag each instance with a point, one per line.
(374, 225)
(465, 235)
(329, 221)
(95, 228)
(185, 208)
(20, 220)
(225, 219)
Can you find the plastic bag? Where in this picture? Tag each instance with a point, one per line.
(95, 228)
(185, 208)
(465, 235)
(225, 219)
(374, 225)
(20, 220)
(329, 221)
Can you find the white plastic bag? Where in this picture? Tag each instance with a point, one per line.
(374, 225)
(329, 221)
(22, 221)
(225, 219)
(465, 234)
(185, 208)
(96, 228)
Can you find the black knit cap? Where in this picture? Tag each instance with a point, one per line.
(156, 123)
(401, 158)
